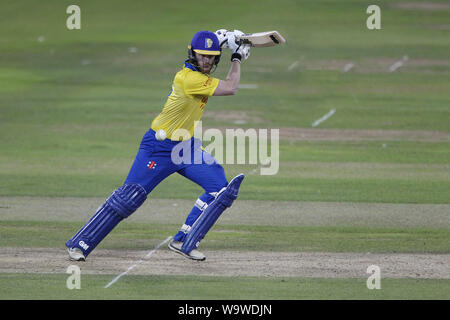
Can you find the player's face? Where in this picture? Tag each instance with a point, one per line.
(205, 62)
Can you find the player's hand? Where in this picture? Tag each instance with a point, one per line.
(233, 43)
(244, 51)
(239, 51)
(222, 35)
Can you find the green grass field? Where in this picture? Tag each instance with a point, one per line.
(373, 178)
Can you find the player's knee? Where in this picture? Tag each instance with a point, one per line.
(127, 199)
(217, 184)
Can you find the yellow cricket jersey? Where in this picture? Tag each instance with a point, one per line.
(186, 102)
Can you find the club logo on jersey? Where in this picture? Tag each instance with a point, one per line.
(151, 165)
(208, 43)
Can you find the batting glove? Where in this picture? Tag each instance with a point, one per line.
(223, 37)
(238, 50)
(233, 43)
(244, 51)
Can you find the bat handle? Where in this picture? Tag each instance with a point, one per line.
(244, 41)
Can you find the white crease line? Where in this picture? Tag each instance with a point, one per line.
(137, 263)
(247, 86)
(395, 66)
(398, 64)
(348, 67)
(293, 65)
(325, 117)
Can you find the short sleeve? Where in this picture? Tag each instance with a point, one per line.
(197, 83)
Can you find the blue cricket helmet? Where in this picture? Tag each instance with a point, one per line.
(204, 42)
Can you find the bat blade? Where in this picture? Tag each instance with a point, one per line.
(262, 39)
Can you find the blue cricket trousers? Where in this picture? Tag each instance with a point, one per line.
(153, 164)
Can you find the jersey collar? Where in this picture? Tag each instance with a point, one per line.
(190, 66)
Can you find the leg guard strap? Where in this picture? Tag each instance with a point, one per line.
(127, 199)
(121, 204)
(209, 216)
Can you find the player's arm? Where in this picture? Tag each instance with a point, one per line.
(229, 86)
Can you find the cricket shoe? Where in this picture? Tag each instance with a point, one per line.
(76, 254)
(194, 254)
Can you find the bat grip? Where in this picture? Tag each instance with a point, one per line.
(245, 41)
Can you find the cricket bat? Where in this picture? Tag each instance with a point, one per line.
(262, 39)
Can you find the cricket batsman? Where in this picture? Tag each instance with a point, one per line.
(191, 88)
